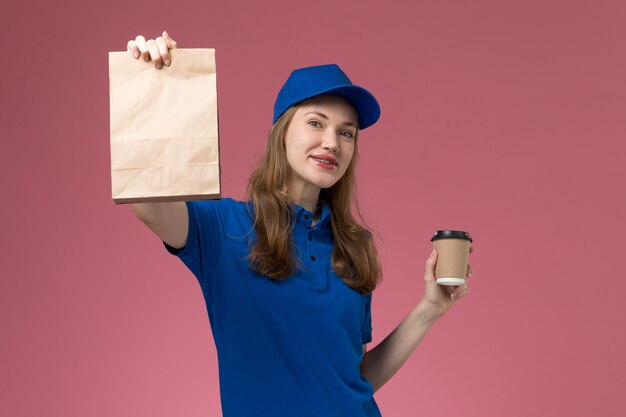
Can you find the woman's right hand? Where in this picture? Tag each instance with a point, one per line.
(155, 49)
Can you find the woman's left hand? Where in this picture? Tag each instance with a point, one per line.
(442, 297)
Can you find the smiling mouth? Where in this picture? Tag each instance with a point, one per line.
(324, 161)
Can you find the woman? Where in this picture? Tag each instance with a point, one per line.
(288, 274)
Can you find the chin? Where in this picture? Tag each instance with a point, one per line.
(323, 181)
(326, 184)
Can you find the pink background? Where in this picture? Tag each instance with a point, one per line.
(506, 119)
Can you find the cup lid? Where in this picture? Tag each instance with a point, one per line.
(451, 234)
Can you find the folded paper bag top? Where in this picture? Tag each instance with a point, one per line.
(164, 128)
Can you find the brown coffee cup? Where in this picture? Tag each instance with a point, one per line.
(453, 248)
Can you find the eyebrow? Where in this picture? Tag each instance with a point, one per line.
(322, 115)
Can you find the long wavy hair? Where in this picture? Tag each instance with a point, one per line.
(354, 257)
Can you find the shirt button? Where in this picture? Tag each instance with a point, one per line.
(306, 217)
(312, 257)
(310, 237)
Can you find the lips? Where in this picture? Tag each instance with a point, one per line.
(326, 159)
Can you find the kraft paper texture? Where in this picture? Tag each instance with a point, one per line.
(452, 257)
(164, 128)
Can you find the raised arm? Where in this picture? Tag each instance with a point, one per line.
(169, 221)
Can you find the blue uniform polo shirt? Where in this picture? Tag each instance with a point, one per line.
(288, 348)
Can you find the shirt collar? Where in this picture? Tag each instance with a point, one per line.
(302, 213)
(305, 217)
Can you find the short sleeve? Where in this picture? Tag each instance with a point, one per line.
(366, 327)
(208, 220)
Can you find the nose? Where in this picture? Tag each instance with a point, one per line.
(330, 141)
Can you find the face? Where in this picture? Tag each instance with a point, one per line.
(319, 143)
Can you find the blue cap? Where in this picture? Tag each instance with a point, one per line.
(305, 83)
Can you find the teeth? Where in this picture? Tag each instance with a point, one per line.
(324, 161)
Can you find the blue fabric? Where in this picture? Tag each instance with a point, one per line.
(288, 348)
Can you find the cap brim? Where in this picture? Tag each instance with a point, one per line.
(365, 103)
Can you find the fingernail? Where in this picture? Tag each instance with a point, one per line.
(166, 61)
(136, 54)
(146, 58)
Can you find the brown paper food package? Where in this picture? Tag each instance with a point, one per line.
(164, 128)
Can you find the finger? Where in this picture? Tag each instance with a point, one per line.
(143, 48)
(171, 43)
(132, 48)
(469, 270)
(163, 51)
(471, 249)
(429, 267)
(461, 291)
(154, 53)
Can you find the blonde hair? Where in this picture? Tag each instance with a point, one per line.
(354, 256)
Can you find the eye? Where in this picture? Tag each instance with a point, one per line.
(347, 134)
(315, 123)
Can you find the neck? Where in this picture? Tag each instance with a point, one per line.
(304, 196)
(308, 203)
